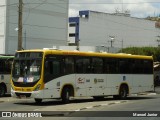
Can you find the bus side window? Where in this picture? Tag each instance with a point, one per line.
(97, 65)
(49, 68)
(8, 65)
(111, 66)
(56, 68)
(147, 66)
(69, 65)
(83, 65)
(2, 66)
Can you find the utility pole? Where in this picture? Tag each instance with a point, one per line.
(25, 44)
(112, 40)
(122, 43)
(77, 44)
(20, 11)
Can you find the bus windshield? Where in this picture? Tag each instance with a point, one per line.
(26, 68)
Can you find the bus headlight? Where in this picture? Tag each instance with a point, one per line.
(37, 87)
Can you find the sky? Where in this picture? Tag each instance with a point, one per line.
(137, 8)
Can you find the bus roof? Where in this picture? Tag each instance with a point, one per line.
(96, 54)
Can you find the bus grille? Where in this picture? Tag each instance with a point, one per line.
(23, 94)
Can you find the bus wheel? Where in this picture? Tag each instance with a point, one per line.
(123, 92)
(65, 95)
(38, 101)
(2, 90)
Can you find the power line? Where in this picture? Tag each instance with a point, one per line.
(32, 25)
(9, 5)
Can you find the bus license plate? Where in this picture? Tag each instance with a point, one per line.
(22, 97)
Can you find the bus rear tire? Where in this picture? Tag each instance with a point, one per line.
(38, 101)
(65, 95)
(122, 93)
(2, 90)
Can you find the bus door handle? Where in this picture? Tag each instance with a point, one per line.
(46, 88)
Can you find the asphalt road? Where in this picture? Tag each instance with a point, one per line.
(98, 108)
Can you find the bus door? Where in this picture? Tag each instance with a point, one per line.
(51, 73)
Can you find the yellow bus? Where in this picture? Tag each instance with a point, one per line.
(60, 74)
(5, 74)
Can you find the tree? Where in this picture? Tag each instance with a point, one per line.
(148, 51)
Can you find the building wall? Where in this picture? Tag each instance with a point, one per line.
(2, 26)
(95, 29)
(45, 23)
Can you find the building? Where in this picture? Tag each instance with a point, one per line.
(45, 23)
(117, 30)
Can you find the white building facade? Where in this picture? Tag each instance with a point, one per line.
(93, 28)
(45, 23)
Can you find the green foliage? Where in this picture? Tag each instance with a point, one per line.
(149, 51)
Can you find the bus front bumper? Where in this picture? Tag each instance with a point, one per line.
(26, 95)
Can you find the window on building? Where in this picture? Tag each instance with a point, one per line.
(72, 35)
(72, 24)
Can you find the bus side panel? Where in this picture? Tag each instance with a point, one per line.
(91, 85)
(80, 82)
(100, 84)
(54, 87)
(115, 80)
(142, 83)
(6, 80)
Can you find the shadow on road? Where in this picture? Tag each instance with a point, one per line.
(56, 103)
(6, 95)
(140, 98)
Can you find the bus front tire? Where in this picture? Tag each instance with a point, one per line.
(38, 101)
(2, 90)
(65, 95)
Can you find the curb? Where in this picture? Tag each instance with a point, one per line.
(100, 105)
(64, 113)
(150, 93)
